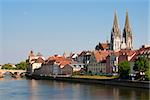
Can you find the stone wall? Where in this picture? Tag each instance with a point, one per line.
(116, 82)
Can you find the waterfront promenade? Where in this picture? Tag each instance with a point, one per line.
(104, 81)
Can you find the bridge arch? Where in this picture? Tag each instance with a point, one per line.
(12, 72)
(7, 72)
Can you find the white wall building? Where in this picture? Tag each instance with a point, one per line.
(77, 66)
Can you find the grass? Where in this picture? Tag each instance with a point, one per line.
(94, 77)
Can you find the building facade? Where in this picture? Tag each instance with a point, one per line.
(97, 64)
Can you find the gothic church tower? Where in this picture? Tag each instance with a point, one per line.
(127, 33)
(115, 40)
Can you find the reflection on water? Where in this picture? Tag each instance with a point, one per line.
(23, 89)
(7, 75)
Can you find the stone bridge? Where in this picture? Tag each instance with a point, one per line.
(18, 72)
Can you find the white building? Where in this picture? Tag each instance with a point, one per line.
(35, 61)
(77, 66)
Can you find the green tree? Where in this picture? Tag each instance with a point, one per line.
(147, 73)
(22, 65)
(124, 69)
(7, 66)
(142, 64)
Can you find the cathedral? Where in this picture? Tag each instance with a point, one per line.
(118, 41)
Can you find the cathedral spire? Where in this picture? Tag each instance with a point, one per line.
(127, 24)
(115, 25)
(127, 32)
(115, 29)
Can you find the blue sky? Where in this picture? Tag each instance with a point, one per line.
(57, 26)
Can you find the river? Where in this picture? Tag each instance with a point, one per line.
(23, 89)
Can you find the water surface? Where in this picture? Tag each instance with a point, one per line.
(23, 89)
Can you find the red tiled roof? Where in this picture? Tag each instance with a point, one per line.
(63, 63)
(140, 52)
(127, 52)
(101, 55)
(144, 50)
(134, 58)
(39, 60)
(60, 60)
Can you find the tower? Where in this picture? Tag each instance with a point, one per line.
(115, 40)
(127, 33)
(31, 56)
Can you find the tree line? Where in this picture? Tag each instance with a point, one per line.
(20, 66)
(141, 65)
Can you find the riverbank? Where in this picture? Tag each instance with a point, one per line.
(117, 82)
